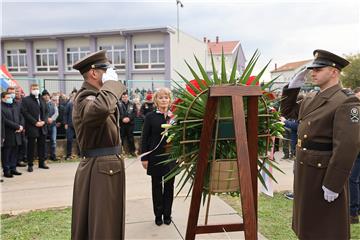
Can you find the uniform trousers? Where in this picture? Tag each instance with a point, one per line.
(162, 196)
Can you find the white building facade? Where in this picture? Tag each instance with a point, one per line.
(145, 58)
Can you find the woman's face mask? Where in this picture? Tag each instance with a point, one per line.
(12, 95)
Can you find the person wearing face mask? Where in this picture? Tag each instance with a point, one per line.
(98, 210)
(153, 144)
(35, 112)
(13, 126)
(14, 93)
(327, 145)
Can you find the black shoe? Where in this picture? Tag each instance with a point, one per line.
(21, 164)
(43, 166)
(15, 172)
(30, 169)
(158, 221)
(167, 220)
(8, 175)
(289, 195)
(54, 158)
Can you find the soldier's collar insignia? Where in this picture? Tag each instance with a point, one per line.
(354, 115)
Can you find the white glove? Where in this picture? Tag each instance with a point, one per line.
(329, 195)
(110, 74)
(298, 80)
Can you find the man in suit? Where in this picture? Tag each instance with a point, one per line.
(35, 112)
(13, 126)
(328, 143)
(127, 117)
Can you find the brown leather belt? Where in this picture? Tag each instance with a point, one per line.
(98, 152)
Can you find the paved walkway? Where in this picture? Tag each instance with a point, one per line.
(53, 188)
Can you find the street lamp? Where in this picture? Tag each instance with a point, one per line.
(178, 2)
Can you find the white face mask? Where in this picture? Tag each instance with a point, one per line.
(35, 92)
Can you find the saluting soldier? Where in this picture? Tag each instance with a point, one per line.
(328, 143)
(99, 187)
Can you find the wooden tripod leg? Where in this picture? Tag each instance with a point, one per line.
(205, 145)
(246, 189)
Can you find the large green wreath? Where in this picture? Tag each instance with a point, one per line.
(189, 112)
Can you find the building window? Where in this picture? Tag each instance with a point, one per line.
(16, 60)
(73, 54)
(116, 54)
(149, 56)
(46, 60)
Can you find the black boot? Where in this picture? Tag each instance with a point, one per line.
(158, 221)
(167, 220)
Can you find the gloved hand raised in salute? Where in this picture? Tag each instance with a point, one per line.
(110, 75)
(298, 80)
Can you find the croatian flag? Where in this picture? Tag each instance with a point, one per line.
(6, 79)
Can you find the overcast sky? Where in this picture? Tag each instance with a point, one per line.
(283, 31)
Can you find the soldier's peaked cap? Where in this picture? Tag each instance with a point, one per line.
(324, 58)
(94, 60)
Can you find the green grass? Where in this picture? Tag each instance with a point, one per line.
(40, 225)
(274, 221)
(275, 216)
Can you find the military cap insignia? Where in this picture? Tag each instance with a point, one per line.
(316, 55)
(354, 115)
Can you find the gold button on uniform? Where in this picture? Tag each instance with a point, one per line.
(319, 164)
(305, 136)
(309, 123)
(111, 172)
(304, 149)
(301, 163)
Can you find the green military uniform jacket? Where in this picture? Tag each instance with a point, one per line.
(328, 143)
(99, 189)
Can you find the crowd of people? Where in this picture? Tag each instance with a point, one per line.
(28, 121)
(43, 118)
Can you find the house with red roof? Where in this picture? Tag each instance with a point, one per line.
(230, 48)
(285, 72)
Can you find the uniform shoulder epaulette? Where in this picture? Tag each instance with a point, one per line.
(348, 92)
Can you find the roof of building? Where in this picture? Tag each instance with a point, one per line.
(122, 31)
(290, 66)
(228, 46)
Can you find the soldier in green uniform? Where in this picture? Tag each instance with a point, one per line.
(99, 189)
(328, 143)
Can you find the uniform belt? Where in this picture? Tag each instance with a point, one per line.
(317, 146)
(98, 152)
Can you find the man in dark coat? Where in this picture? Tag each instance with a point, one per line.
(99, 187)
(328, 143)
(35, 112)
(127, 116)
(22, 154)
(13, 126)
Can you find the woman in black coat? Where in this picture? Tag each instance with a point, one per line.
(162, 193)
(13, 127)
